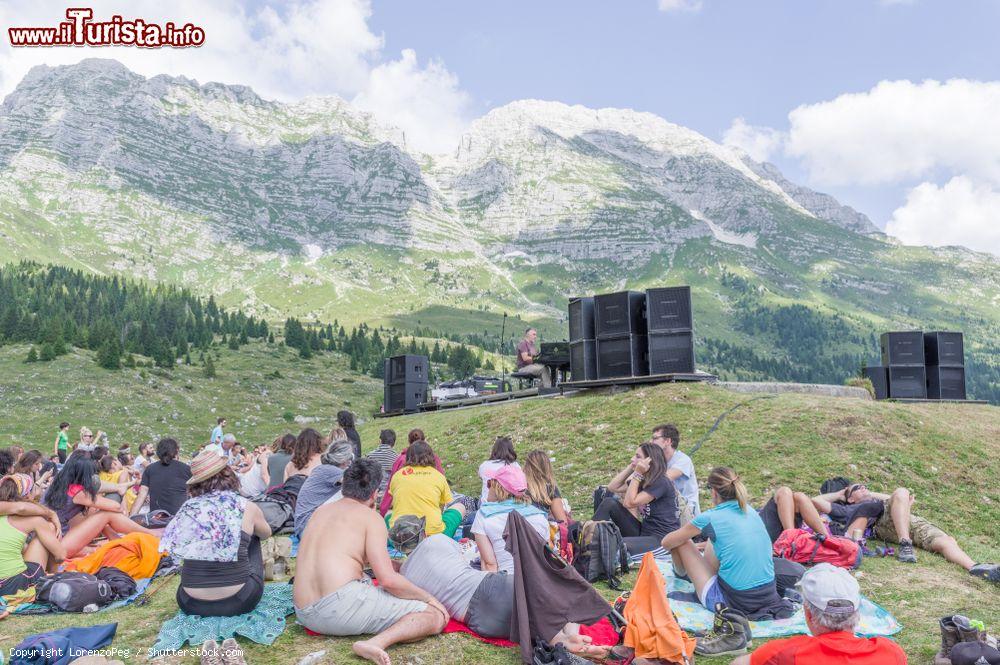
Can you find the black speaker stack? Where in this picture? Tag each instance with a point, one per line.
(406, 379)
(631, 333)
(919, 365)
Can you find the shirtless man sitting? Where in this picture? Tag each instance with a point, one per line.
(333, 596)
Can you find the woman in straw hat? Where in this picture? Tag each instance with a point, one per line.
(217, 533)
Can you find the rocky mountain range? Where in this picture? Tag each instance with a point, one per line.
(320, 210)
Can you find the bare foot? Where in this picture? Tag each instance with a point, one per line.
(369, 651)
(581, 646)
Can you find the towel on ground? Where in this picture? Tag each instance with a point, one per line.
(263, 625)
(694, 618)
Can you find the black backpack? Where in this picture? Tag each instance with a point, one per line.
(122, 585)
(72, 591)
(834, 484)
(601, 553)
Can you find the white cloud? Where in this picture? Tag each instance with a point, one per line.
(758, 142)
(426, 102)
(283, 50)
(962, 212)
(680, 5)
(899, 131)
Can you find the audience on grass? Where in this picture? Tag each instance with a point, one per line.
(164, 482)
(74, 495)
(832, 606)
(385, 505)
(308, 448)
(506, 492)
(385, 455)
(333, 595)
(281, 455)
(29, 545)
(324, 483)
(542, 488)
(217, 534)
(345, 420)
(736, 568)
(502, 454)
(421, 490)
(645, 509)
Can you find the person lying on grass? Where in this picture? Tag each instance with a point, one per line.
(483, 601)
(22, 564)
(897, 524)
(83, 514)
(332, 594)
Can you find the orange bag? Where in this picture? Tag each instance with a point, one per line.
(652, 629)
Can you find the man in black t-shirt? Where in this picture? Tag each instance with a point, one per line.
(852, 511)
(165, 481)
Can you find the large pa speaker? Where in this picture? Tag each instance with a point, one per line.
(622, 313)
(907, 382)
(880, 382)
(671, 352)
(581, 319)
(946, 382)
(407, 369)
(583, 360)
(625, 355)
(668, 309)
(903, 348)
(405, 397)
(944, 348)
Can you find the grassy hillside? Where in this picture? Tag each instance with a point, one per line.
(944, 453)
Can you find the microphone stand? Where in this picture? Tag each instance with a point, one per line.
(503, 356)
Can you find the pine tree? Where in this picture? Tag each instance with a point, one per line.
(32, 356)
(234, 343)
(270, 338)
(48, 352)
(187, 358)
(209, 369)
(130, 361)
(305, 352)
(109, 355)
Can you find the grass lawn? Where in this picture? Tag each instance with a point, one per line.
(946, 454)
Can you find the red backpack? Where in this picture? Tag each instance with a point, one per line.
(806, 548)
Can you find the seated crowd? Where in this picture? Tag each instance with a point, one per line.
(214, 514)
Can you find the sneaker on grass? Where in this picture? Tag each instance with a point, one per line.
(906, 553)
(987, 571)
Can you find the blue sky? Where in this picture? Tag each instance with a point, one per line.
(892, 106)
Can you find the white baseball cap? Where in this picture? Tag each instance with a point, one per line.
(831, 589)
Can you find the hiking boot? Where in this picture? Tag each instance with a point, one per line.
(906, 553)
(987, 571)
(729, 636)
(210, 653)
(949, 638)
(232, 652)
(738, 617)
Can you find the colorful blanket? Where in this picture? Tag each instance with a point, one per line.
(263, 625)
(694, 618)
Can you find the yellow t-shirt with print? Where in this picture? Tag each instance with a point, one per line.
(422, 491)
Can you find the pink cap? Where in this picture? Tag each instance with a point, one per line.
(510, 477)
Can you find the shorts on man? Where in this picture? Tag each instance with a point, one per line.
(922, 532)
(357, 608)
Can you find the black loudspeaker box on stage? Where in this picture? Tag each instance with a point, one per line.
(405, 397)
(583, 360)
(671, 352)
(625, 355)
(668, 309)
(880, 382)
(944, 348)
(903, 348)
(407, 369)
(907, 382)
(945, 382)
(622, 313)
(581, 319)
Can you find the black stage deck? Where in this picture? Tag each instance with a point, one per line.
(922, 400)
(636, 380)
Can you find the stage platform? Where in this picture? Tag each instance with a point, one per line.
(921, 400)
(636, 381)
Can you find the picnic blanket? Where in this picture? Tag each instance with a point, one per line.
(601, 633)
(263, 625)
(694, 618)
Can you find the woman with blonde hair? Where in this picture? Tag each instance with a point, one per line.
(542, 488)
(737, 569)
